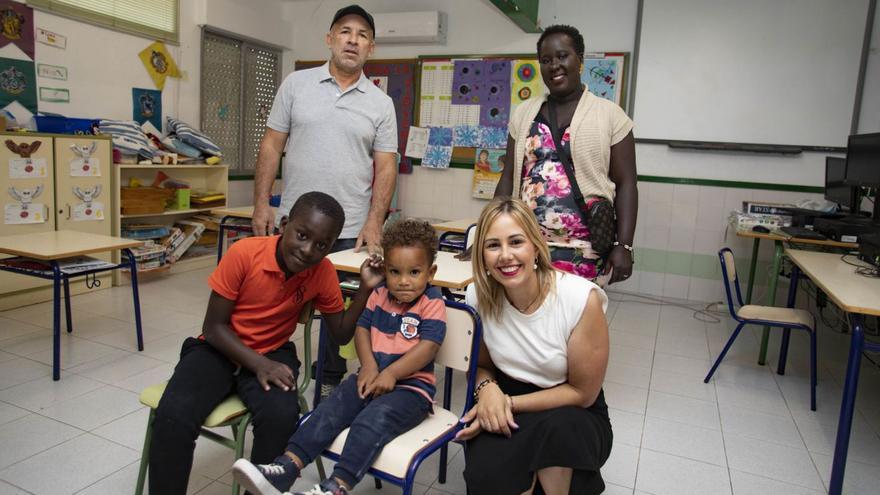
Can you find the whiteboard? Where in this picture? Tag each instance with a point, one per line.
(779, 72)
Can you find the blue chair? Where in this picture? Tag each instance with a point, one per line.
(401, 458)
(771, 316)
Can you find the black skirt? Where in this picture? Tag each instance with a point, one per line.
(574, 437)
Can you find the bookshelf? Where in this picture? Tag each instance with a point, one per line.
(199, 176)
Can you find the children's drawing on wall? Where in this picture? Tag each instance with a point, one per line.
(604, 75)
(85, 165)
(488, 165)
(89, 209)
(380, 82)
(25, 210)
(26, 167)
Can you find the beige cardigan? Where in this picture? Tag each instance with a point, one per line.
(597, 125)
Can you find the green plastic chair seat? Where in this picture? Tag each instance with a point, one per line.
(231, 408)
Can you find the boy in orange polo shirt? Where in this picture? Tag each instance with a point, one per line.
(258, 292)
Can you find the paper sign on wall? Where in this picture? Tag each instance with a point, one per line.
(47, 37)
(19, 214)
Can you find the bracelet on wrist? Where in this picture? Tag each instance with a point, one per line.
(623, 245)
(480, 387)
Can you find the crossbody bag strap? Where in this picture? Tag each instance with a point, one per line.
(566, 160)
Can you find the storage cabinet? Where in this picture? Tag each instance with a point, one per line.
(52, 182)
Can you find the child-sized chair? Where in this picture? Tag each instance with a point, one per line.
(785, 318)
(401, 458)
(231, 412)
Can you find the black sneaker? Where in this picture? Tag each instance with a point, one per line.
(266, 479)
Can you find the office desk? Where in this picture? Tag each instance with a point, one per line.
(457, 226)
(239, 212)
(778, 239)
(451, 273)
(857, 296)
(57, 245)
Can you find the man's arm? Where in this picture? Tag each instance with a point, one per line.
(218, 334)
(268, 160)
(383, 190)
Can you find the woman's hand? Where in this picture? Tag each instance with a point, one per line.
(494, 411)
(470, 430)
(620, 261)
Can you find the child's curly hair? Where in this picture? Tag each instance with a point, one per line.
(411, 233)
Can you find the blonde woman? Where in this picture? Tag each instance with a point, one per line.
(540, 416)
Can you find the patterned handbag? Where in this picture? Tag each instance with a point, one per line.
(597, 213)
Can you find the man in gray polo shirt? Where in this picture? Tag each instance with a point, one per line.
(336, 125)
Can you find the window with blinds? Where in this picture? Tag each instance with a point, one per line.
(239, 80)
(154, 19)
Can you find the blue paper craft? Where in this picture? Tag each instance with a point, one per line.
(466, 135)
(440, 136)
(600, 76)
(147, 106)
(493, 137)
(437, 156)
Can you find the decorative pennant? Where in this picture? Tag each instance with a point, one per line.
(147, 106)
(18, 82)
(159, 63)
(17, 26)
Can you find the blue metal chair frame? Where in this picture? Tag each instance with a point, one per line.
(786, 326)
(441, 442)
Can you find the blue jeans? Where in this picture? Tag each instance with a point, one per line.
(334, 366)
(373, 422)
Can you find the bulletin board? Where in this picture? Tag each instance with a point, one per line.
(466, 100)
(396, 77)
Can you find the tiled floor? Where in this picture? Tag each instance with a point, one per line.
(749, 431)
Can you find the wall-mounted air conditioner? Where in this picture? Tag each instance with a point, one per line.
(411, 27)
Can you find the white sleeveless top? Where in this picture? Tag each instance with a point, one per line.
(534, 348)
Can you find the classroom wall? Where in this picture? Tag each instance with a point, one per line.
(680, 227)
(103, 64)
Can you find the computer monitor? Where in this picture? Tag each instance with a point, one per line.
(863, 165)
(835, 189)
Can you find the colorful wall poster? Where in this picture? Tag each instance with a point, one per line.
(488, 165)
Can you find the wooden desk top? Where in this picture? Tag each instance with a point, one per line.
(854, 293)
(775, 235)
(62, 244)
(238, 212)
(451, 273)
(458, 226)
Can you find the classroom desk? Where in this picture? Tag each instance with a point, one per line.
(57, 245)
(451, 273)
(857, 296)
(239, 212)
(458, 226)
(778, 239)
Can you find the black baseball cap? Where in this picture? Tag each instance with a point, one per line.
(354, 10)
